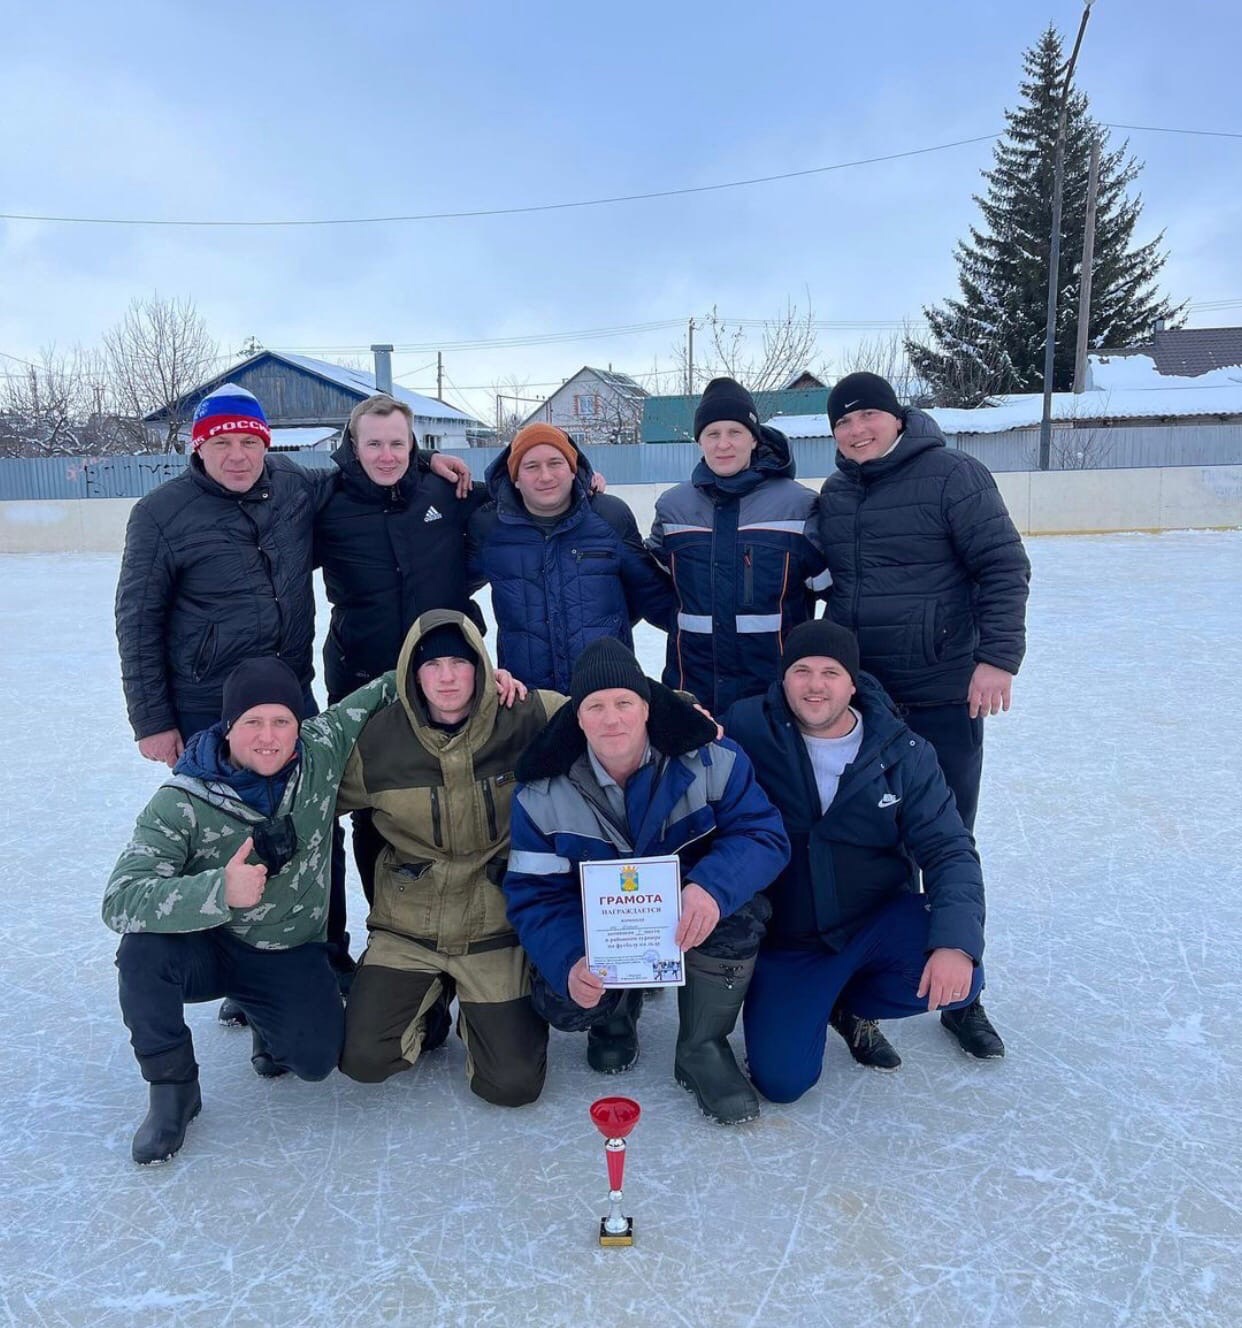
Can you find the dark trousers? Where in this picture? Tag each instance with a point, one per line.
(189, 722)
(368, 845)
(290, 997)
(958, 741)
(735, 937)
(793, 992)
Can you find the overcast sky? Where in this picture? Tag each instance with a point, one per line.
(292, 111)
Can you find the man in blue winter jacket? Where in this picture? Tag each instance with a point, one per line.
(629, 769)
(866, 807)
(566, 564)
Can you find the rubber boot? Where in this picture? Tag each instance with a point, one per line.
(708, 1007)
(612, 1046)
(173, 1102)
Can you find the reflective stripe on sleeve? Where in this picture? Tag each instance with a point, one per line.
(537, 864)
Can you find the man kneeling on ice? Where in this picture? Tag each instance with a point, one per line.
(436, 768)
(223, 891)
(866, 806)
(629, 769)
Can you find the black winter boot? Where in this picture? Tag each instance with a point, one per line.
(231, 1015)
(867, 1044)
(612, 1046)
(708, 1007)
(264, 1066)
(173, 1102)
(974, 1032)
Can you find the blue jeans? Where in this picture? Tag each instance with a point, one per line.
(793, 992)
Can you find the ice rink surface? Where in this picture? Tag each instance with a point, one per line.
(1093, 1177)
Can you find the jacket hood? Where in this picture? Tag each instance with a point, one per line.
(674, 727)
(503, 492)
(482, 717)
(919, 434)
(356, 481)
(772, 459)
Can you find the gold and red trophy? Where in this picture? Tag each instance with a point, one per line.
(614, 1118)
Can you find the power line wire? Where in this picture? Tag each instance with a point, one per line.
(1158, 129)
(501, 212)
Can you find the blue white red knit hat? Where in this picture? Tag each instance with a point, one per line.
(229, 409)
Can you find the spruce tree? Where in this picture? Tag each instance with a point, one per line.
(991, 338)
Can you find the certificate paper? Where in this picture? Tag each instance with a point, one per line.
(630, 912)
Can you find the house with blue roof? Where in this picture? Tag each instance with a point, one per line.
(307, 402)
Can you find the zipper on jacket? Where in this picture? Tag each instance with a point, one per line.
(857, 560)
(490, 803)
(436, 830)
(748, 576)
(579, 554)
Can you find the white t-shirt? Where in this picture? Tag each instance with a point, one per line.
(830, 756)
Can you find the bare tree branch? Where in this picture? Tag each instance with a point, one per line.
(155, 355)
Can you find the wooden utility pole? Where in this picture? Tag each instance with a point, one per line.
(690, 358)
(439, 375)
(1088, 259)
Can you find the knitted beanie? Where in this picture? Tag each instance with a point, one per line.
(724, 399)
(263, 680)
(818, 636)
(447, 639)
(862, 391)
(532, 436)
(229, 409)
(606, 663)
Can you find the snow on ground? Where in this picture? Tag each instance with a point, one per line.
(1091, 1178)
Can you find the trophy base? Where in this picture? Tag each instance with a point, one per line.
(611, 1238)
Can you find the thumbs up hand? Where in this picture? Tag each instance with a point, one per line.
(243, 884)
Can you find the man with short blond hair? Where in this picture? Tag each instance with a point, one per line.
(390, 541)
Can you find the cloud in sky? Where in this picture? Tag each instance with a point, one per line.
(308, 110)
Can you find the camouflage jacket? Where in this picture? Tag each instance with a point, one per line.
(170, 877)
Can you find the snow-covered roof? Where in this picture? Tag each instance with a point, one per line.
(302, 438)
(360, 380)
(1124, 387)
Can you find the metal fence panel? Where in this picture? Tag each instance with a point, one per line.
(669, 463)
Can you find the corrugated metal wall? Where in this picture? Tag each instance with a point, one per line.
(1122, 448)
(667, 463)
(103, 477)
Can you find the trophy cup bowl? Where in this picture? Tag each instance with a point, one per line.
(614, 1118)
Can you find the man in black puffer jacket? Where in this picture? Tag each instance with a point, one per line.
(391, 543)
(929, 570)
(216, 569)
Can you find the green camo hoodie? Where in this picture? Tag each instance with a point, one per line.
(170, 877)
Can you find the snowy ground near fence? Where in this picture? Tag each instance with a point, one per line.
(1091, 1178)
